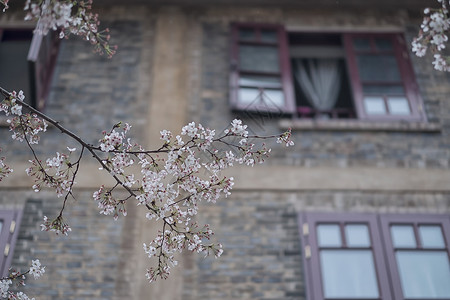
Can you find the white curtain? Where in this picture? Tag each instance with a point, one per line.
(322, 83)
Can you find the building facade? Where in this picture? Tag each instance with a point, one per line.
(357, 209)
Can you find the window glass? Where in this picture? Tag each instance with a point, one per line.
(357, 235)
(374, 105)
(246, 34)
(248, 95)
(383, 44)
(14, 65)
(329, 235)
(431, 236)
(259, 58)
(273, 97)
(398, 106)
(383, 89)
(260, 81)
(269, 36)
(378, 68)
(424, 274)
(348, 274)
(1, 225)
(361, 44)
(403, 236)
(260, 96)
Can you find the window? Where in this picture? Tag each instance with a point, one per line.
(27, 63)
(323, 75)
(260, 77)
(9, 224)
(366, 256)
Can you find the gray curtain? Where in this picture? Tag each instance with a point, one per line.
(322, 83)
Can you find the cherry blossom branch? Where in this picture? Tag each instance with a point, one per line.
(170, 186)
(36, 270)
(434, 35)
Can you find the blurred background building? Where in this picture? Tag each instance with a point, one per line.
(357, 209)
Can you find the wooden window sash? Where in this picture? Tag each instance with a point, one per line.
(285, 69)
(8, 237)
(42, 60)
(406, 72)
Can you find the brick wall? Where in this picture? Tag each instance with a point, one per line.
(331, 148)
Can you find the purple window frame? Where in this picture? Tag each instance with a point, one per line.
(284, 64)
(42, 58)
(312, 264)
(408, 81)
(8, 237)
(415, 220)
(383, 250)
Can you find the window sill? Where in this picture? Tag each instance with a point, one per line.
(356, 125)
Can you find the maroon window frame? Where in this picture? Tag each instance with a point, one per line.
(387, 221)
(399, 51)
(308, 223)
(389, 281)
(284, 75)
(42, 60)
(407, 81)
(8, 236)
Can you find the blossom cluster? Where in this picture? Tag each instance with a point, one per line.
(173, 181)
(5, 4)
(24, 126)
(70, 17)
(4, 169)
(36, 269)
(57, 173)
(434, 35)
(58, 225)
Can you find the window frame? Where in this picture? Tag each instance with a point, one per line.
(284, 64)
(8, 238)
(408, 80)
(388, 276)
(41, 58)
(416, 220)
(312, 263)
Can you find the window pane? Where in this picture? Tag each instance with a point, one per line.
(398, 106)
(424, 274)
(248, 95)
(383, 44)
(361, 44)
(374, 106)
(14, 66)
(378, 68)
(348, 274)
(269, 36)
(1, 225)
(260, 81)
(259, 58)
(329, 235)
(246, 34)
(357, 235)
(274, 97)
(403, 236)
(383, 90)
(431, 236)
